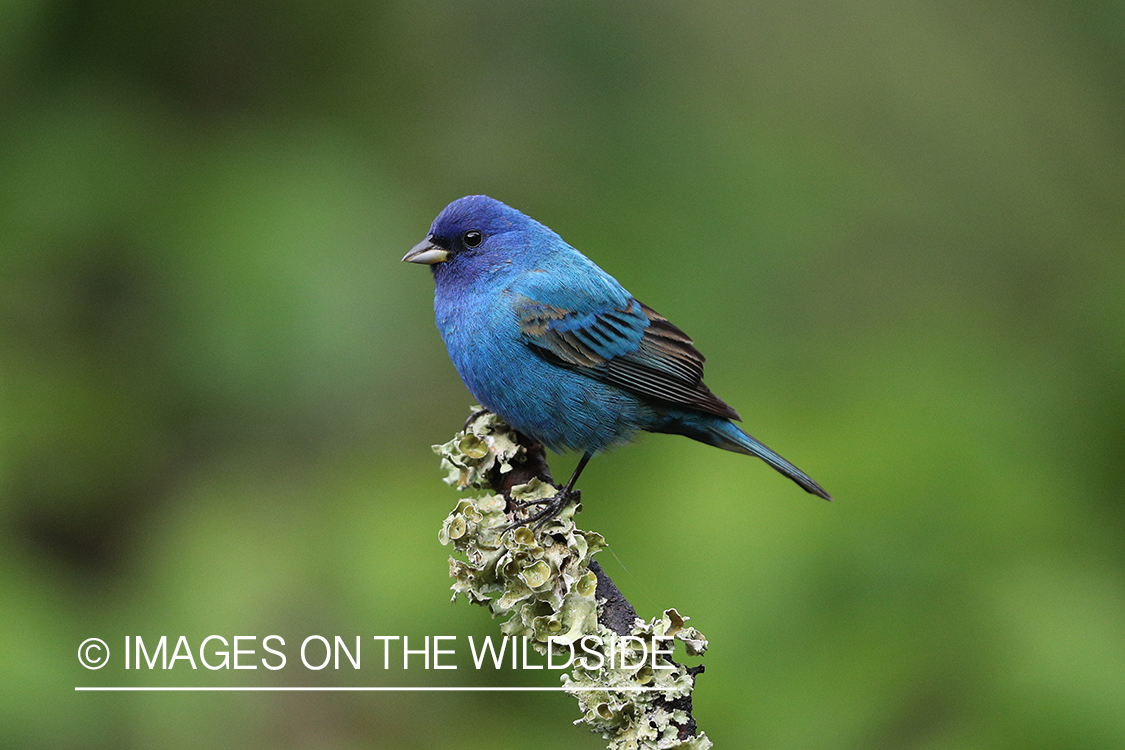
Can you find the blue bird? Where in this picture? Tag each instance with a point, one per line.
(558, 349)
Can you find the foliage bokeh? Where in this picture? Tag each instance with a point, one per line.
(896, 230)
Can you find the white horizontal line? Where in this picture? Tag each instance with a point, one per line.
(403, 689)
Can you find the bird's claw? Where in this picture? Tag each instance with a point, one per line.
(553, 505)
(528, 503)
(474, 417)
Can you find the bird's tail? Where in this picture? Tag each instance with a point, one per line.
(722, 433)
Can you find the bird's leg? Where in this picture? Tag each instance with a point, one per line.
(552, 504)
(561, 493)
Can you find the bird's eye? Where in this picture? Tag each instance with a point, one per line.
(472, 238)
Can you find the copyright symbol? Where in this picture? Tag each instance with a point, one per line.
(93, 653)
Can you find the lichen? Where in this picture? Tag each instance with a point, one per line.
(632, 719)
(538, 581)
(485, 442)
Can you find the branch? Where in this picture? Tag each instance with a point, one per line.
(547, 587)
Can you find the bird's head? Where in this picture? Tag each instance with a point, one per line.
(474, 231)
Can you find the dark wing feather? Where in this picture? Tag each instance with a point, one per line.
(634, 348)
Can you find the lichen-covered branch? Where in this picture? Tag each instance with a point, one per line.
(545, 585)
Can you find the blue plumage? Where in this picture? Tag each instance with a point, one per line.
(553, 344)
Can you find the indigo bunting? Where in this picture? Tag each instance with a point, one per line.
(557, 348)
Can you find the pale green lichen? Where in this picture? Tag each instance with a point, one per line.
(472, 453)
(641, 719)
(539, 582)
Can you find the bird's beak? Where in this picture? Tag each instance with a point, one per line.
(428, 252)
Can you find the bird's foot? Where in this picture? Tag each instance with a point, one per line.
(474, 417)
(552, 506)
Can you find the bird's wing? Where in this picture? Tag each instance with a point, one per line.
(624, 343)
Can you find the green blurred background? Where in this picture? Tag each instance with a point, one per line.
(896, 230)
